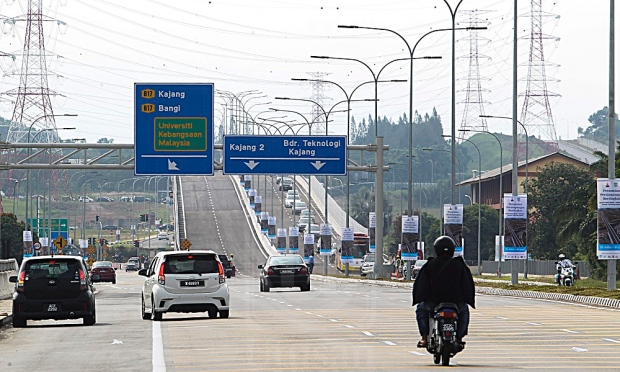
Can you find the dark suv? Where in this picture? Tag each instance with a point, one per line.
(229, 267)
(53, 287)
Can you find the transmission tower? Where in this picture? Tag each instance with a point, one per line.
(318, 96)
(536, 112)
(33, 108)
(474, 103)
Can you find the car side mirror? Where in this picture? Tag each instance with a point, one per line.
(12, 279)
(260, 266)
(142, 272)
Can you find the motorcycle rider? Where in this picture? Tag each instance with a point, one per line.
(563, 262)
(443, 279)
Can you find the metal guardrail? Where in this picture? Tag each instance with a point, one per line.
(535, 267)
(179, 213)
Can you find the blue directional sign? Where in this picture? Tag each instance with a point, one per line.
(173, 127)
(312, 155)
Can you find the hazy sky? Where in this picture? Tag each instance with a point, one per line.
(98, 49)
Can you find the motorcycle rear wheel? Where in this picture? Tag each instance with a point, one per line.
(445, 354)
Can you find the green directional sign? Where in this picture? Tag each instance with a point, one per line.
(180, 134)
(57, 224)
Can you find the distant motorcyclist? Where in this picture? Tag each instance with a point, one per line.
(562, 263)
(443, 279)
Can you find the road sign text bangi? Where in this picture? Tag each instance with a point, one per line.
(173, 129)
(316, 155)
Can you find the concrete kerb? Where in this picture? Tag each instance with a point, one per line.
(586, 300)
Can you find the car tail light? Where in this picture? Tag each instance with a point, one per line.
(270, 271)
(161, 279)
(82, 281)
(303, 270)
(220, 269)
(20, 282)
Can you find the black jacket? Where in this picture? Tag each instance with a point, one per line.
(444, 279)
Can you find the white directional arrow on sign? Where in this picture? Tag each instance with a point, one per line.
(317, 164)
(172, 165)
(251, 164)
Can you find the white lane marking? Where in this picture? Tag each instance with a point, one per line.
(569, 331)
(417, 353)
(389, 343)
(289, 305)
(500, 317)
(348, 326)
(159, 363)
(298, 309)
(534, 324)
(579, 350)
(282, 302)
(117, 342)
(611, 340)
(334, 320)
(367, 333)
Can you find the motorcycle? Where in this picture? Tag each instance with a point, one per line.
(442, 337)
(566, 276)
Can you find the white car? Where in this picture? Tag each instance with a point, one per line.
(292, 192)
(299, 206)
(303, 221)
(85, 199)
(162, 235)
(288, 203)
(185, 282)
(307, 213)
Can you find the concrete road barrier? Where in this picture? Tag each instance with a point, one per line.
(7, 268)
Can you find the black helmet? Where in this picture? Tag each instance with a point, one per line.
(444, 246)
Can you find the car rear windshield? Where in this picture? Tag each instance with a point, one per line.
(52, 268)
(223, 257)
(102, 264)
(191, 263)
(292, 260)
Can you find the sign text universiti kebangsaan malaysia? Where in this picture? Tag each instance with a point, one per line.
(608, 219)
(174, 129)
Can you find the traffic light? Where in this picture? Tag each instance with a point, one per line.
(96, 218)
(136, 243)
(144, 217)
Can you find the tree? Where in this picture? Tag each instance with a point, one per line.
(489, 220)
(12, 237)
(363, 202)
(548, 192)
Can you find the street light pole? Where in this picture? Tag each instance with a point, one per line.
(527, 154)
(501, 197)
(478, 200)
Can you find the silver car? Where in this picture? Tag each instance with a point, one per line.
(185, 282)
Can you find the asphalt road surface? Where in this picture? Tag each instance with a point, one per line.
(334, 327)
(351, 326)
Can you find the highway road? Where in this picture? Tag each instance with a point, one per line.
(337, 326)
(334, 327)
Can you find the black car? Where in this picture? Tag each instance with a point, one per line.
(229, 267)
(53, 287)
(284, 270)
(286, 184)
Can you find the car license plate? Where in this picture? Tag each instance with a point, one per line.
(52, 307)
(448, 327)
(192, 283)
(287, 271)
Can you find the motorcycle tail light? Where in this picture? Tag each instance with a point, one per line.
(448, 314)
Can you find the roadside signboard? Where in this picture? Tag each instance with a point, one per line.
(296, 155)
(608, 223)
(173, 128)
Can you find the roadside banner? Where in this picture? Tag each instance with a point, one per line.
(372, 224)
(308, 245)
(410, 236)
(271, 227)
(608, 219)
(293, 239)
(326, 239)
(258, 204)
(28, 244)
(264, 222)
(252, 196)
(453, 225)
(515, 223)
(281, 241)
(247, 185)
(346, 251)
